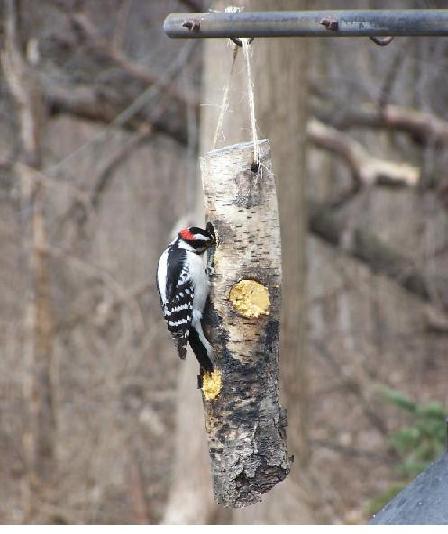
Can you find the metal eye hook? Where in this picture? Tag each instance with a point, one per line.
(238, 41)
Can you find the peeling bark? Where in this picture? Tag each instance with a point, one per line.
(245, 424)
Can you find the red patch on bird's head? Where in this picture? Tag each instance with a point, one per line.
(186, 235)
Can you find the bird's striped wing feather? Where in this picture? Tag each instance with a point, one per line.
(178, 308)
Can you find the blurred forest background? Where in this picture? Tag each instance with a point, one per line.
(102, 120)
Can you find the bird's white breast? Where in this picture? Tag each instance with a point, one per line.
(200, 280)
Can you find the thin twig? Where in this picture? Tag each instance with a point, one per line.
(134, 69)
(135, 107)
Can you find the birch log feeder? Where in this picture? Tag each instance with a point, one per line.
(245, 424)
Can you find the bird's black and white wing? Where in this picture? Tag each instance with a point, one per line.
(176, 291)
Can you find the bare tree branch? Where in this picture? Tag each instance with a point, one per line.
(117, 158)
(92, 104)
(358, 385)
(132, 68)
(436, 321)
(379, 256)
(82, 206)
(366, 169)
(422, 126)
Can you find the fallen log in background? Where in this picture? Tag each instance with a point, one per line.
(245, 424)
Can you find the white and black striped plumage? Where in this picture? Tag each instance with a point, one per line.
(183, 287)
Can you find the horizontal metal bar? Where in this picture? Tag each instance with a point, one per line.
(371, 23)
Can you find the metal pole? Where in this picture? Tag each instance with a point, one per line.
(353, 23)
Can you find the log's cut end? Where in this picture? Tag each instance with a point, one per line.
(250, 298)
(212, 384)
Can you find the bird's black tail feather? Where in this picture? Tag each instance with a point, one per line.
(200, 352)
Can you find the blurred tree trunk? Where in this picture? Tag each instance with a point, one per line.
(191, 496)
(279, 70)
(39, 433)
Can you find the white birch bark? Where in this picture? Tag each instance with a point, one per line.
(245, 424)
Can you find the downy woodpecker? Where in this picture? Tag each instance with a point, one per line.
(183, 284)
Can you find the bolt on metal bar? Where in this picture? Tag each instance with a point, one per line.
(353, 23)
